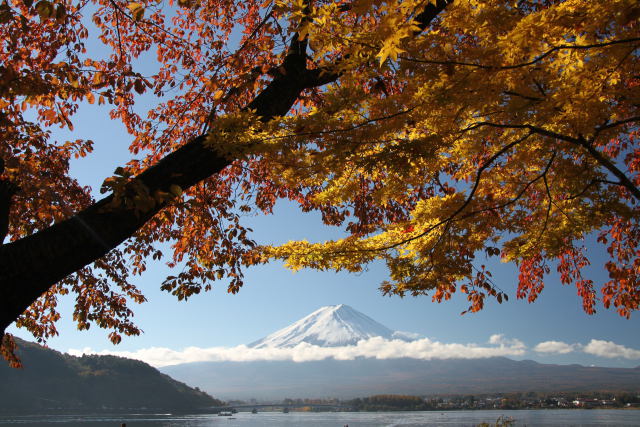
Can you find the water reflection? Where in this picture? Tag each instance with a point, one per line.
(339, 419)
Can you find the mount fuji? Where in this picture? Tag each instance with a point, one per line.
(330, 326)
(340, 326)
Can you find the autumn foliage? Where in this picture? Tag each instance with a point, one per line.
(435, 133)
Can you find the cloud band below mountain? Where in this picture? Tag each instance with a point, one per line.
(556, 347)
(376, 347)
(610, 350)
(599, 348)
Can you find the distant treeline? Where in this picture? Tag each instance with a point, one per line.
(526, 400)
(389, 402)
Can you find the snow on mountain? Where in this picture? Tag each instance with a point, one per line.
(330, 326)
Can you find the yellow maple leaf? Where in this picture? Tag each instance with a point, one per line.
(137, 10)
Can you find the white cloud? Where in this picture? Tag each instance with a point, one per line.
(501, 340)
(557, 347)
(609, 349)
(406, 336)
(376, 347)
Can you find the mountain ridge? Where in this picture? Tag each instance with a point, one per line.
(360, 377)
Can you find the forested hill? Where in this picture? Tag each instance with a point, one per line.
(52, 381)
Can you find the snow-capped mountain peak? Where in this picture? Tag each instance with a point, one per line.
(330, 326)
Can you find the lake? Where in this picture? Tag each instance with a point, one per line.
(574, 417)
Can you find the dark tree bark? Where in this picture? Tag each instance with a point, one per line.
(7, 191)
(31, 265)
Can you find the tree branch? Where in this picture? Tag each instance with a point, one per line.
(579, 141)
(7, 191)
(31, 265)
(524, 64)
(452, 217)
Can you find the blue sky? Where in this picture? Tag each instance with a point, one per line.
(274, 297)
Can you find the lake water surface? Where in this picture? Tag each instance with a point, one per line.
(574, 417)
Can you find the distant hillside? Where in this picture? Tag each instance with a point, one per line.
(352, 378)
(52, 381)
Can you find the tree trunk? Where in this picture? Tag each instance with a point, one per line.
(31, 265)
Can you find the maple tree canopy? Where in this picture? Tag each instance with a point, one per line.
(435, 132)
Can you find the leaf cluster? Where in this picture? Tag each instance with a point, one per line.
(496, 129)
